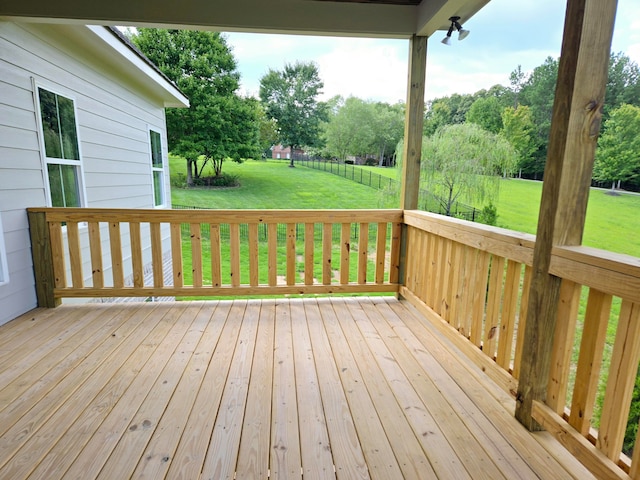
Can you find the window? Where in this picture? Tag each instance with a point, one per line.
(157, 167)
(4, 269)
(61, 148)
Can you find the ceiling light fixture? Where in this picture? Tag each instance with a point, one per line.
(462, 33)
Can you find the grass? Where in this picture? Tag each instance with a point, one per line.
(273, 184)
(611, 222)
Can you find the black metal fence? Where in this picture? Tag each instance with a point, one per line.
(426, 200)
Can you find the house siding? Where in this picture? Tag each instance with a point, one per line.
(113, 118)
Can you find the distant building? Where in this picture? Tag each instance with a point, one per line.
(279, 151)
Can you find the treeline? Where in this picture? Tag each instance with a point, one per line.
(522, 112)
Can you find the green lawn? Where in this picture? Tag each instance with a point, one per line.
(612, 221)
(273, 184)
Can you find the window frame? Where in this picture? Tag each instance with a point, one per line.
(154, 169)
(46, 161)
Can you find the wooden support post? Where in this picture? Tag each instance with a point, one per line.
(42, 259)
(576, 118)
(412, 147)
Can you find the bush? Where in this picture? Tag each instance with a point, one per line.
(489, 215)
(223, 180)
(370, 162)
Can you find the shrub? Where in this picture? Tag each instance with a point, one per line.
(489, 215)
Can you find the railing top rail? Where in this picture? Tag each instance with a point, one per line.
(495, 240)
(220, 216)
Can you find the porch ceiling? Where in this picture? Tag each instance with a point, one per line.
(375, 18)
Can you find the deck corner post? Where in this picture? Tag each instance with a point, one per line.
(42, 258)
(412, 142)
(413, 123)
(576, 117)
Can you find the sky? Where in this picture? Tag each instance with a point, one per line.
(504, 34)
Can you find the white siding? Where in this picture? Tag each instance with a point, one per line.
(113, 120)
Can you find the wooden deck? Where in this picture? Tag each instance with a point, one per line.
(251, 389)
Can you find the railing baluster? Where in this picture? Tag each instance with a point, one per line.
(466, 291)
(75, 257)
(196, 254)
(254, 276)
(522, 319)
(57, 252)
(455, 292)
(563, 346)
(394, 255)
(291, 254)
(115, 242)
(594, 334)
(363, 253)
(234, 245)
(345, 250)
(381, 247)
(136, 254)
(622, 377)
(508, 316)
(309, 232)
(95, 247)
(327, 250)
(492, 320)
(176, 255)
(156, 254)
(480, 281)
(273, 254)
(216, 262)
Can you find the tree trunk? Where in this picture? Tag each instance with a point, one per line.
(189, 172)
(291, 164)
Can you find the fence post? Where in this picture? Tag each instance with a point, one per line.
(42, 259)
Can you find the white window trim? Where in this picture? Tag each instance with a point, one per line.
(36, 84)
(165, 162)
(4, 267)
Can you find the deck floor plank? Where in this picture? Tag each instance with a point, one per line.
(126, 379)
(471, 455)
(347, 453)
(407, 448)
(286, 460)
(96, 452)
(315, 449)
(253, 457)
(26, 390)
(225, 441)
(259, 389)
(487, 435)
(192, 450)
(488, 397)
(38, 432)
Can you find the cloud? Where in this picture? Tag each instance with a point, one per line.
(504, 34)
(366, 68)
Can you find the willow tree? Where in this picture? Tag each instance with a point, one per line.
(464, 163)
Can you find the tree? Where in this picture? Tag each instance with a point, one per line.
(290, 97)
(618, 153)
(486, 112)
(349, 131)
(463, 163)
(218, 124)
(623, 85)
(388, 128)
(517, 78)
(518, 129)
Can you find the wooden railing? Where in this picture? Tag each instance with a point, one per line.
(473, 282)
(224, 252)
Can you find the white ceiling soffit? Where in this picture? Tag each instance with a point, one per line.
(347, 18)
